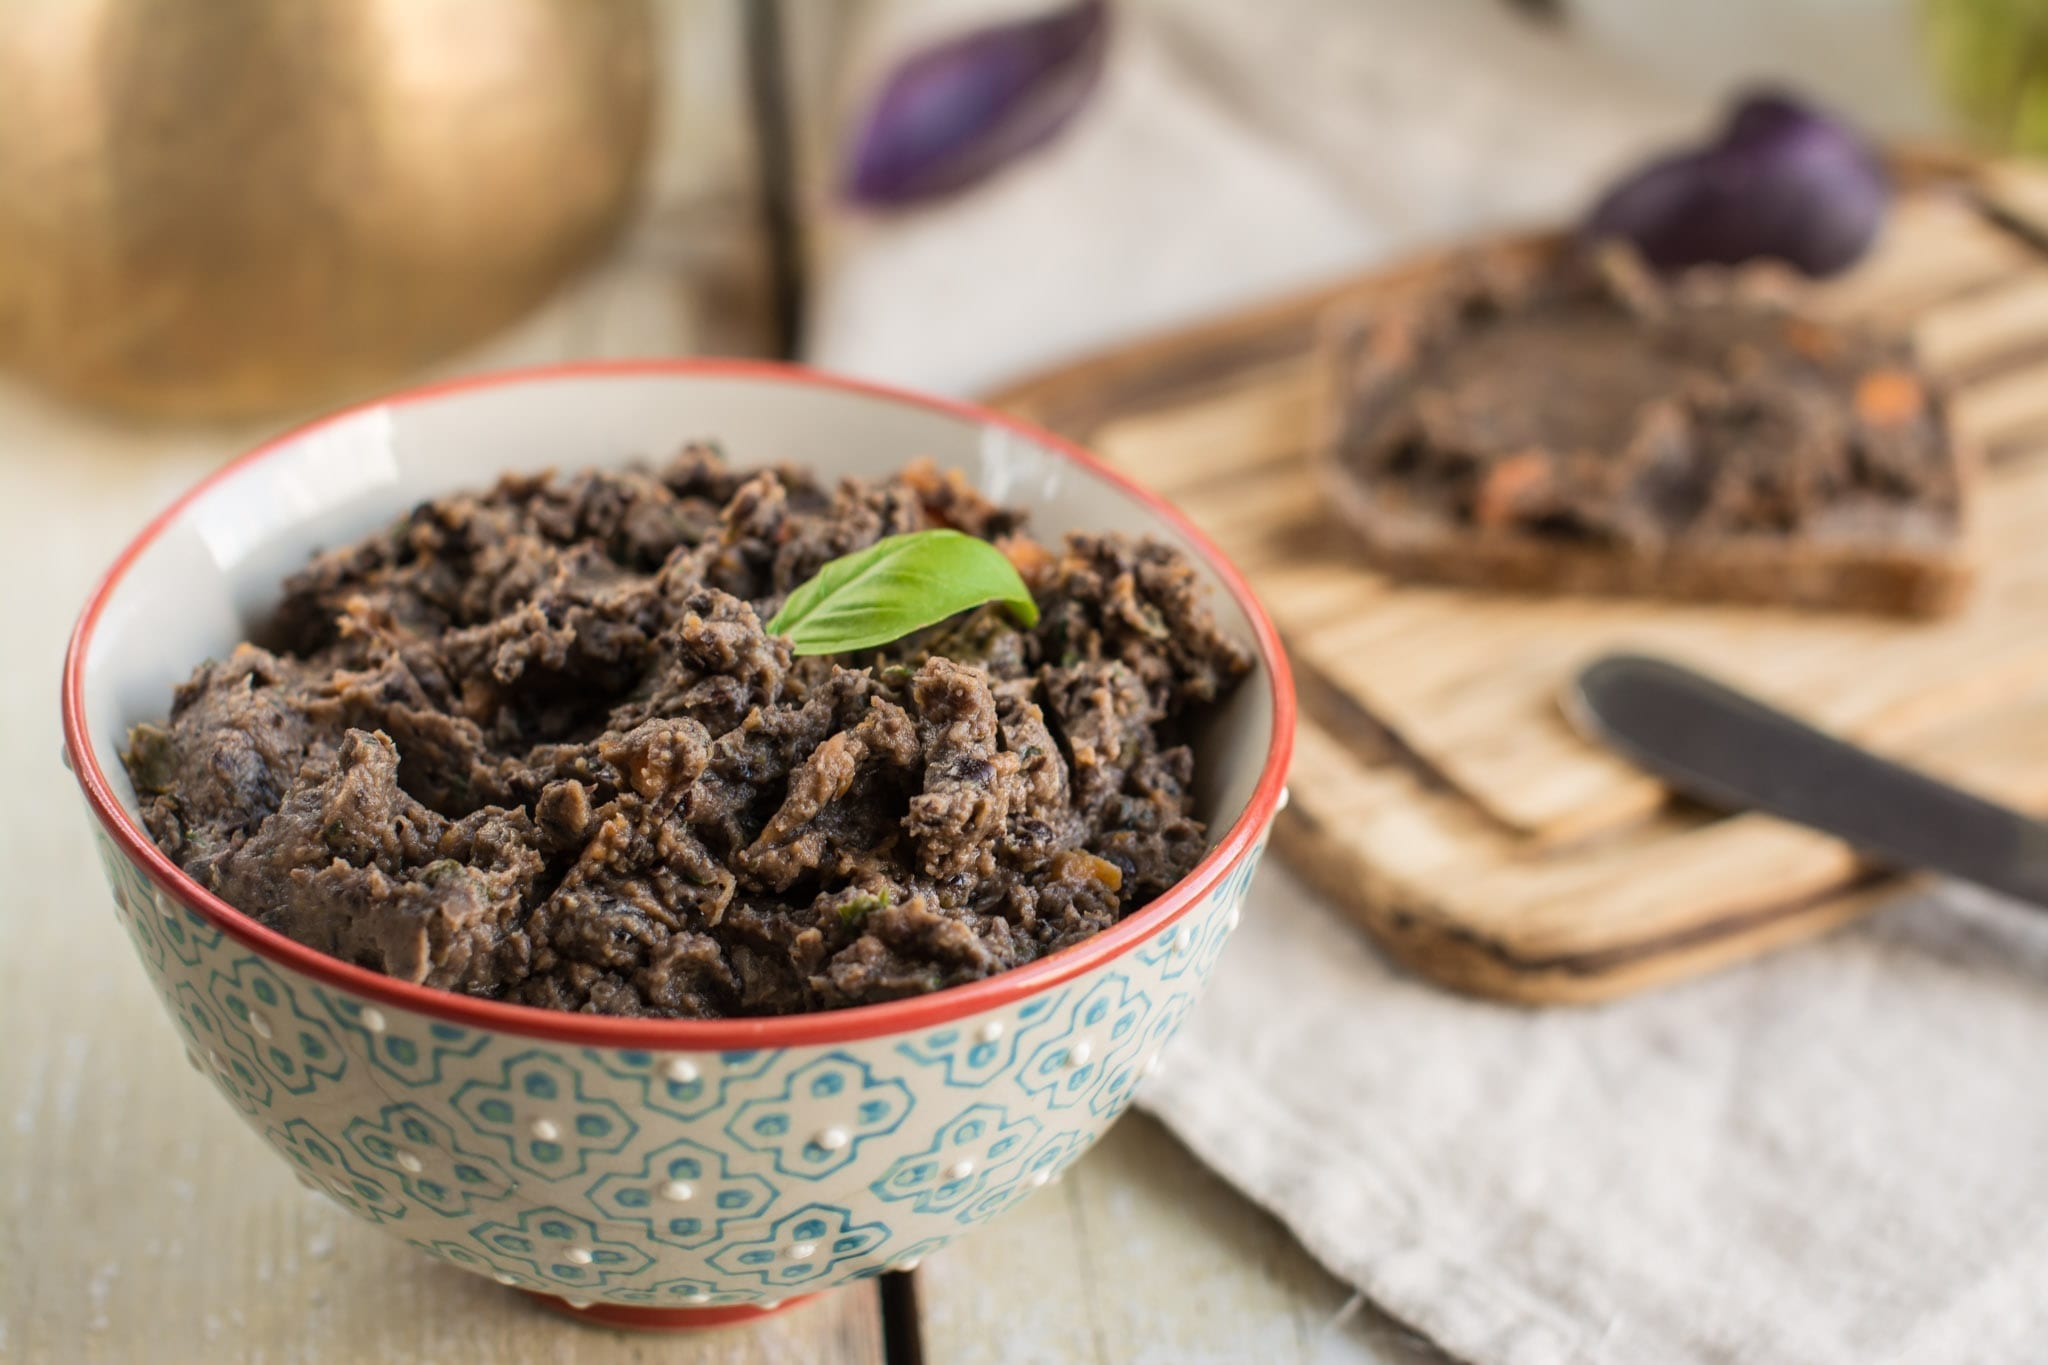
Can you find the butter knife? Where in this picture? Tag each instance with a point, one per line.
(1731, 751)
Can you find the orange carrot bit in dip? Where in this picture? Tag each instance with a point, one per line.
(1031, 560)
(1073, 864)
(1887, 398)
(1506, 484)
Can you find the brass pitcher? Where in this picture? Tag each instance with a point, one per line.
(232, 207)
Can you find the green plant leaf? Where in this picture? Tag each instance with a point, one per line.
(895, 586)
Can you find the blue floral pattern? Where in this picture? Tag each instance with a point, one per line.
(858, 1108)
(670, 1179)
(247, 1088)
(325, 1165)
(412, 1059)
(539, 1110)
(409, 1144)
(1102, 1030)
(972, 1056)
(965, 1156)
(190, 939)
(685, 1195)
(682, 1087)
(135, 905)
(262, 1022)
(560, 1248)
(1037, 1170)
(801, 1247)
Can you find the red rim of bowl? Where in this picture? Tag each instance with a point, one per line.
(796, 1030)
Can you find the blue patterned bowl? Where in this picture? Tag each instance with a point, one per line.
(668, 1173)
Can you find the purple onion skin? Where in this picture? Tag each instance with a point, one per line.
(1782, 181)
(955, 113)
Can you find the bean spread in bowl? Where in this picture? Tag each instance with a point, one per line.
(538, 744)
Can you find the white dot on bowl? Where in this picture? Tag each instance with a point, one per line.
(408, 1162)
(991, 1031)
(1231, 920)
(1285, 797)
(831, 1139)
(504, 1279)
(259, 1025)
(677, 1191)
(213, 1059)
(802, 1251)
(1150, 1065)
(681, 1070)
(959, 1170)
(578, 1304)
(544, 1130)
(1039, 1178)
(373, 1019)
(769, 1305)
(1079, 1053)
(578, 1256)
(907, 1264)
(696, 1296)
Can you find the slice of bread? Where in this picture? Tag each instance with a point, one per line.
(1535, 417)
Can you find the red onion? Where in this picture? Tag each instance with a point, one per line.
(956, 112)
(1783, 180)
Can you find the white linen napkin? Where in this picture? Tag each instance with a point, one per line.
(1835, 1155)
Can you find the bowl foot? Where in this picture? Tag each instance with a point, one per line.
(632, 1318)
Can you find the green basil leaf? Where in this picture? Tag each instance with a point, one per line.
(895, 586)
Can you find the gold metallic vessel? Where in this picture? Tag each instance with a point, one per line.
(213, 208)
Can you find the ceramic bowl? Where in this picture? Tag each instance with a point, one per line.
(656, 1173)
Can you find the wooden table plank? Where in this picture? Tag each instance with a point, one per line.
(1139, 1255)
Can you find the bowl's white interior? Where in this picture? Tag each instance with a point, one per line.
(212, 574)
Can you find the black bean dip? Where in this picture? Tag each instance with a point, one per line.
(1594, 403)
(534, 744)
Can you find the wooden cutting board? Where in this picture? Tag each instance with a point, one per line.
(1438, 793)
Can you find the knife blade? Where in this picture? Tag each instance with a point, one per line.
(1729, 750)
